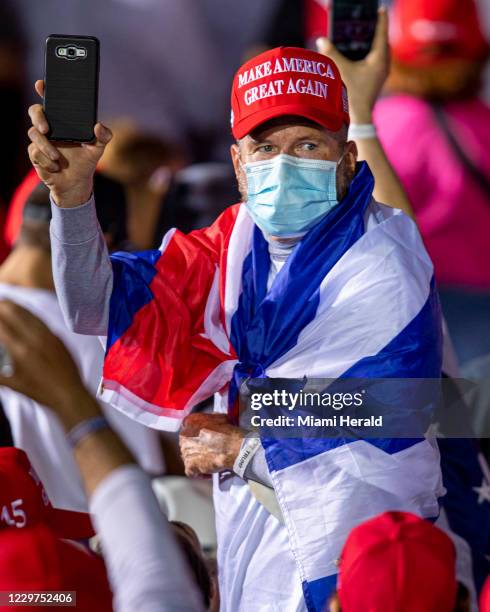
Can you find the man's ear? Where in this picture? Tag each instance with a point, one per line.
(350, 157)
(235, 158)
(239, 172)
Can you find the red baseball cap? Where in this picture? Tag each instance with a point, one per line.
(24, 501)
(288, 81)
(425, 33)
(14, 215)
(34, 559)
(397, 562)
(485, 597)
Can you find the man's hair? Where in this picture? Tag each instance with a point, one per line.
(144, 153)
(110, 202)
(454, 80)
(36, 215)
(463, 600)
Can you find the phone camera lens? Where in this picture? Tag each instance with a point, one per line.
(71, 52)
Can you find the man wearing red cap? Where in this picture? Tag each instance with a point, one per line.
(395, 562)
(34, 552)
(307, 277)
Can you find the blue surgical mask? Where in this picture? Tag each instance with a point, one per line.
(288, 195)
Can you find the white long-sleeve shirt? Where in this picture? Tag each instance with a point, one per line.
(146, 568)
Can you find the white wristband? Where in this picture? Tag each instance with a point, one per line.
(250, 445)
(361, 131)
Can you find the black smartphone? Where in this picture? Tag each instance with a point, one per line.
(71, 85)
(352, 25)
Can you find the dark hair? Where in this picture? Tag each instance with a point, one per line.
(144, 153)
(454, 79)
(195, 559)
(110, 202)
(462, 604)
(36, 214)
(6, 438)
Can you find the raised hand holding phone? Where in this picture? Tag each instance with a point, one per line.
(66, 168)
(364, 78)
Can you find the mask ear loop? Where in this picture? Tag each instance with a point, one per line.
(341, 158)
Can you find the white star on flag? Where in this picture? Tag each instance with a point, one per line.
(483, 492)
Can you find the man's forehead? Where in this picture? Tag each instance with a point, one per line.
(293, 125)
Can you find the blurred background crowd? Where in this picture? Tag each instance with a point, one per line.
(166, 70)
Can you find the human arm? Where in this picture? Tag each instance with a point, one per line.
(82, 269)
(153, 577)
(364, 80)
(146, 567)
(81, 266)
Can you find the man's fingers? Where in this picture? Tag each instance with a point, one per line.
(39, 160)
(188, 430)
(326, 47)
(24, 325)
(10, 340)
(38, 118)
(43, 144)
(39, 87)
(189, 443)
(380, 42)
(102, 134)
(8, 337)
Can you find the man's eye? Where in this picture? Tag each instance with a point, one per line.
(308, 146)
(265, 148)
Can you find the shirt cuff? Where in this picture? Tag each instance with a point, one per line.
(250, 445)
(74, 225)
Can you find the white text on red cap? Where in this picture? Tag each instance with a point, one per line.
(278, 86)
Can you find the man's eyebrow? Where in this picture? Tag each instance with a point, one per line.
(258, 139)
(312, 136)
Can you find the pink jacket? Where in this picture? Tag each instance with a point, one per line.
(452, 210)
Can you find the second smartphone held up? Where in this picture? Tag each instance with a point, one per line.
(352, 25)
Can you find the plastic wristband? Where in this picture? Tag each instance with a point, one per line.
(361, 131)
(250, 445)
(85, 428)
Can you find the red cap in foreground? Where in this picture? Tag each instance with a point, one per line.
(288, 81)
(485, 597)
(34, 559)
(25, 503)
(397, 562)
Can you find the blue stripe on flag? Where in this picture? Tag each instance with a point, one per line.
(283, 453)
(318, 592)
(133, 274)
(414, 353)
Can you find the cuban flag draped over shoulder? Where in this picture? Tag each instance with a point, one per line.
(355, 298)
